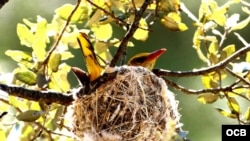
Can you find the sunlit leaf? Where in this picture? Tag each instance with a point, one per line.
(27, 130)
(213, 47)
(59, 79)
(66, 55)
(16, 102)
(209, 82)
(102, 49)
(43, 106)
(169, 5)
(226, 113)
(40, 41)
(27, 77)
(29, 116)
(95, 18)
(173, 22)
(233, 105)
(54, 61)
(248, 57)
(213, 59)
(118, 4)
(102, 32)
(25, 35)
(2, 135)
(115, 42)
(18, 56)
(227, 51)
(142, 32)
(207, 98)
(247, 115)
(218, 14)
(196, 38)
(65, 10)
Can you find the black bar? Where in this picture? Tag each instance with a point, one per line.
(236, 132)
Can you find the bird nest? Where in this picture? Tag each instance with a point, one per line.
(135, 105)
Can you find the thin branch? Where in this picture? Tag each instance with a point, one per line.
(237, 76)
(62, 32)
(221, 65)
(196, 92)
(106, 12)
(122, 48)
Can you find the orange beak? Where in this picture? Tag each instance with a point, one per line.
(156, 54)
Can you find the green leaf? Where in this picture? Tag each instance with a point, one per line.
(25, 35)
(30, 115)
(102, 32)
(2, 135)
(233, 105)
(95, 18)
(173, 22)
(209, 81)
(248, 57)
(102, 49)
(59, 81)
(247, 115)
(40, 41)
(226, 113)
(230, 49)
(18, 55)
(213, 47)
(218, 14)
(66, 55)
(54, 61)
(207, 98)
(80, 14)
(27, 77)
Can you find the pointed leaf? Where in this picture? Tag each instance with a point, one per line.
(233, 105)
(207, 98)
(226, 113)
(173, 22)
(65, 10)
(247, 115)
(27, 77)
(18, 56)
(25, 35)
(40, 41)
(54, 61)
(30, 115)
(229, 50)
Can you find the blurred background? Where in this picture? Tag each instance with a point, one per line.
(202, 122)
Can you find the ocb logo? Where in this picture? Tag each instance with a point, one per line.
(236, 132)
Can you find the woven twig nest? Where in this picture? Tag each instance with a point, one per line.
(135, 105)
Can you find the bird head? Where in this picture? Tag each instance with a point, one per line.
(146, 60)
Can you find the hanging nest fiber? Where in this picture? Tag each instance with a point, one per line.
(136, 105)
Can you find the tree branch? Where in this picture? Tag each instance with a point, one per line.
(220, 65)
(46, 96)
(122, 48)
(62, 32)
